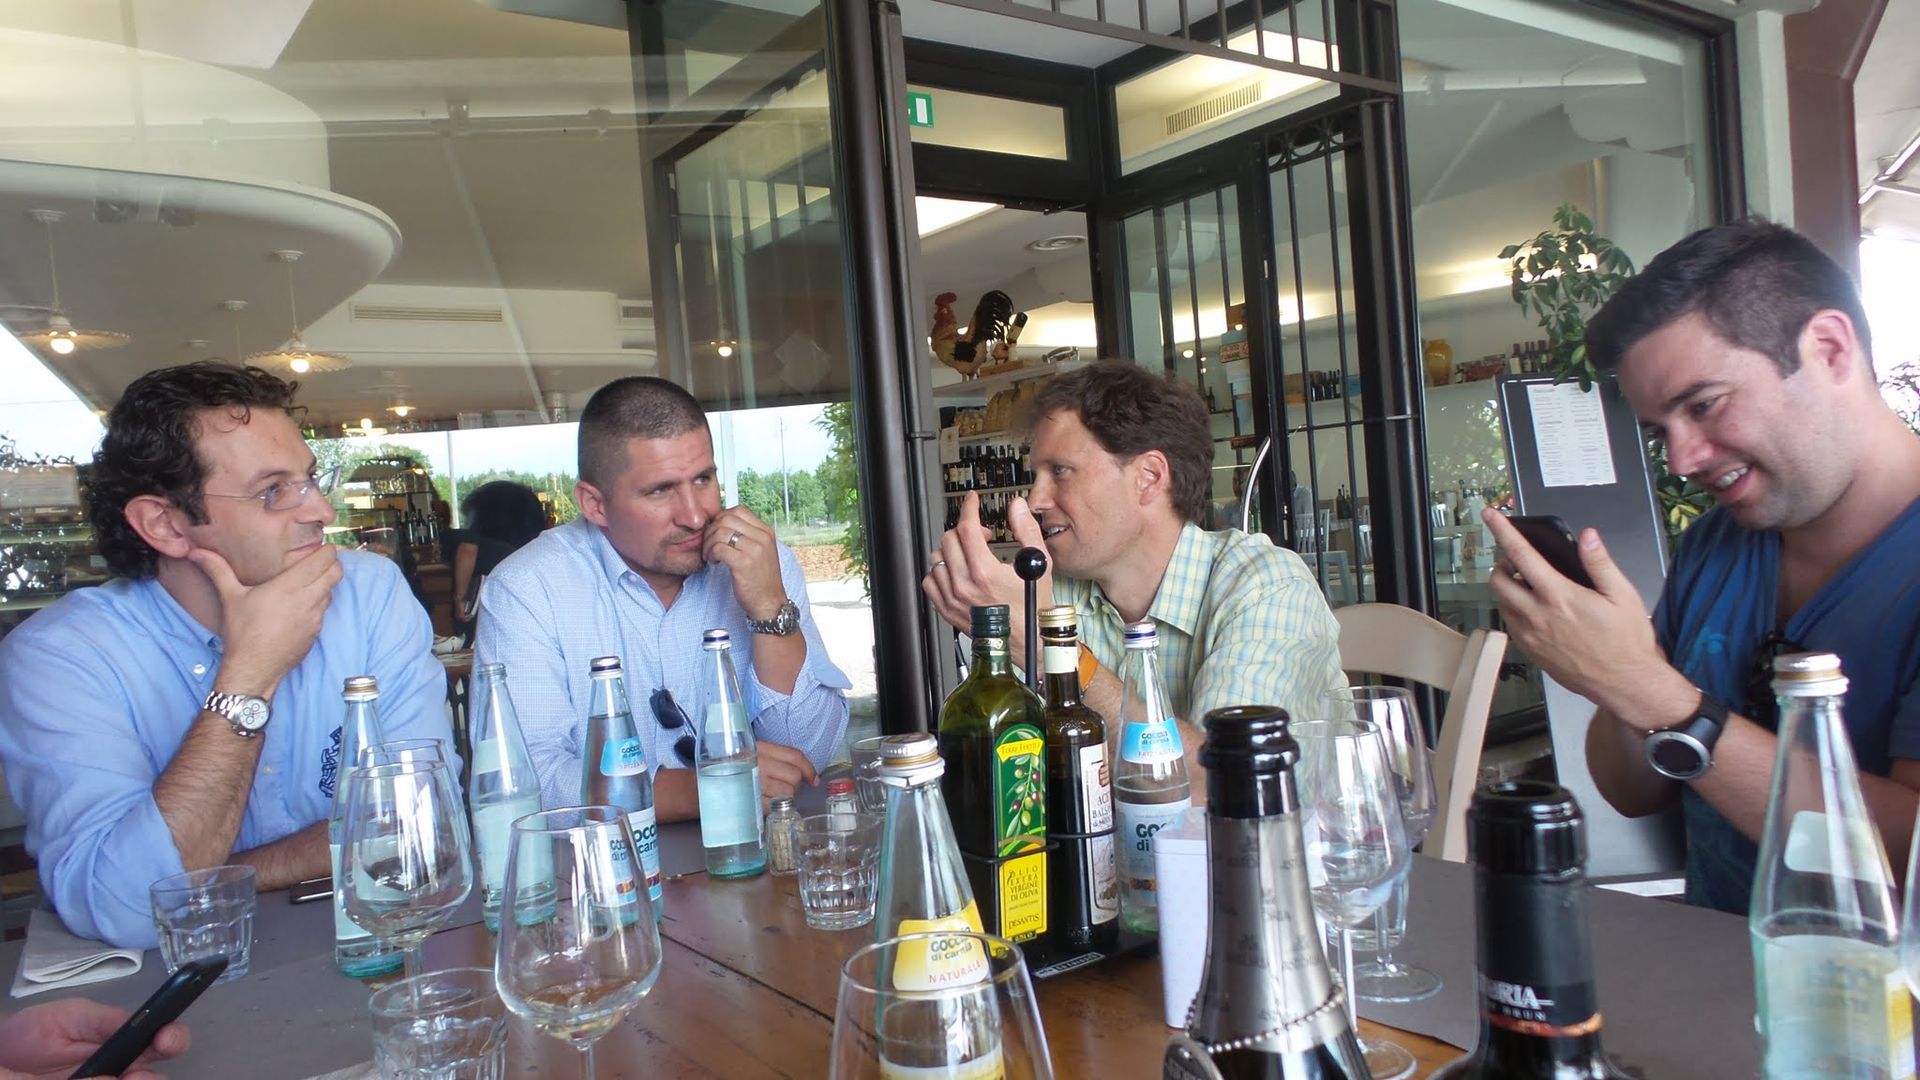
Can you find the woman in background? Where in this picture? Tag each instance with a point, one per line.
(500, 517)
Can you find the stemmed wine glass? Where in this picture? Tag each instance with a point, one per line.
(1391, 709)
(948, 1004)
(582, 956)
(407, 851)
(1353, 826)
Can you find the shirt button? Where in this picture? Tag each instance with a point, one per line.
(199, 669)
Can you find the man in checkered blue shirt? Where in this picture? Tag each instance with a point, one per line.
(1122, 461)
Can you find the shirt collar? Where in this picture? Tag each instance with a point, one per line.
(615, 567)
(173, 619)
(1182, 591)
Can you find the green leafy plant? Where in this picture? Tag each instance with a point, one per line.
(1562, 276)
(840, 485)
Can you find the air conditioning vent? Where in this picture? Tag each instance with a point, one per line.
(634, 312)
(1213, 108)
(422, 313)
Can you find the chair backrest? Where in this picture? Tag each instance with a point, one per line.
(1387, 639)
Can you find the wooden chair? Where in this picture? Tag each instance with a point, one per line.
(1388, 639)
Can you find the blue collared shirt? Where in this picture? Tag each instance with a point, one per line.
(568, 597)
(97, 693)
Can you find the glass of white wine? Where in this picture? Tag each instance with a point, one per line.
(948, 1004)
(585, 956)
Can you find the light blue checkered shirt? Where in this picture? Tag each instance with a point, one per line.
(1241, 622)
(568, 596)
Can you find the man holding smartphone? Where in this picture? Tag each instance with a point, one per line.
(187, 713)
(651, 563)
(55, 1037)
(1746, 350)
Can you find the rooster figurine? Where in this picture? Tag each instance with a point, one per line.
(946, 335)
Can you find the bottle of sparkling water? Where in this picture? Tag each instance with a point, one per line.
(503, 786)
(1150, 785)
(728, 761)
(358, 952)
(614, 769)
(1826, 942)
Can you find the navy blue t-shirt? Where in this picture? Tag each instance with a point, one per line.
(1718, 607)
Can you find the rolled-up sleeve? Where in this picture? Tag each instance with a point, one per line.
(85, 782)
(518, 630)
(813, 718)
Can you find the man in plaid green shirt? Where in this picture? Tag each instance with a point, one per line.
(1122, 462)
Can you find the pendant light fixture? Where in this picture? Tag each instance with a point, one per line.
(294, 356)
(59, 336)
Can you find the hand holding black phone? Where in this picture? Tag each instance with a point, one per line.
(1550, 537)
(125, 1046)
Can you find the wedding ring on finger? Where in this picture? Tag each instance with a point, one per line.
(734, 540)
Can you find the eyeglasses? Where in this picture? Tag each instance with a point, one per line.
(289, 494)
(1763, 707)
(673, 717)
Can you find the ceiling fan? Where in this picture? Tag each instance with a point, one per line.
(57, 335)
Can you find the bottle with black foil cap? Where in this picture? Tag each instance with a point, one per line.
(1539, 1012)
(1268, 1007)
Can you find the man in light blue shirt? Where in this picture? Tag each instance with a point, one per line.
(187, 713)
(653, 562)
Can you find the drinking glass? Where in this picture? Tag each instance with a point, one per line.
(867, 785)
(446, 1025)
(1391, 709)
(949, 1004)
(206, 913)
(839, 857)
(408, 856)
(1353, 826)
(1910, 911)
(580, 962)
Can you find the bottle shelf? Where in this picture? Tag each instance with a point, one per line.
(985, 387)
(987, 491)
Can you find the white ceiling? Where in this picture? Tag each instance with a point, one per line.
(1886, 108)
(504, 151)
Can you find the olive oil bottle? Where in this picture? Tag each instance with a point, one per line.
(992, 737)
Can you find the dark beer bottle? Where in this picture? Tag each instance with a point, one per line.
(1268, 1007)
(1083, 892)
(1539, 1015)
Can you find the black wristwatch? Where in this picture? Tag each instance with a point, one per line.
(1685, 751)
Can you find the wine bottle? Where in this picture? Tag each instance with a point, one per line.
(1268, 1006)
(1539, 1014)
(614, 770)
(503, 786)
(1083, 895)
(1150, 784)
(355, 949)
(992, 737)
(1826, 947)
(728, 762)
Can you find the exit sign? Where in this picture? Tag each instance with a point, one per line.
(919, 109)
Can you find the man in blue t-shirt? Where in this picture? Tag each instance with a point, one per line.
(1745, 349)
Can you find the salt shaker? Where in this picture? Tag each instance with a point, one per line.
(783, 850)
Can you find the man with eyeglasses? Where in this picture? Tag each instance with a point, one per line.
(187, 713)
(1746, 350)
(651, 563)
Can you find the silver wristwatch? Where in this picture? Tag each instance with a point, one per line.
(246, 714)
(784, 622)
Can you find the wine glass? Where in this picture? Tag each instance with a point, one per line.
(583, 957)
(948, 1003)
(1354, 828)
(1391, 709)
(407, 852)
(1909, 912)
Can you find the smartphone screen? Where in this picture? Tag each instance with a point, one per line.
(1550, 537)
(125, 1046)
(301, 892)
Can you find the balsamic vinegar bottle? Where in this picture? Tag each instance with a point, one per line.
(1083, 893)
(1539, 1014)
(1268, 1007)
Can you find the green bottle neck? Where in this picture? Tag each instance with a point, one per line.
(991, 657)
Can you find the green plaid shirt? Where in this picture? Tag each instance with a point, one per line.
(1241, 622)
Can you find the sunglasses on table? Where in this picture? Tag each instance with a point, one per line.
(672, 717)
(1763, 707)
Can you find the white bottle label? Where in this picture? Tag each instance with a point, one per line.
(623, 757)
(1103, 882)
(646, 834)
(1138, 823)
(1096, 787)
(493, 835)
(1150, 744)
(729, 805)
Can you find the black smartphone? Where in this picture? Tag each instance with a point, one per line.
(1554, 541)
(125, 1046)
(301, 892)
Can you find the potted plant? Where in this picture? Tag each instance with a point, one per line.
(1563, 275)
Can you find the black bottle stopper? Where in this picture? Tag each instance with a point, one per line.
(1030, 564)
